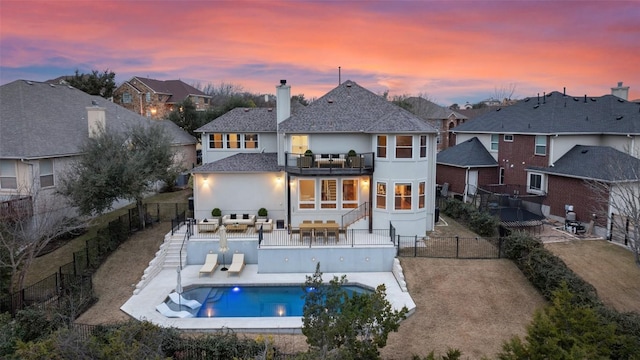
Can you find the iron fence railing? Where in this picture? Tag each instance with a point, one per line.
(451, 247)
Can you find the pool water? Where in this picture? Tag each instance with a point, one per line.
(254, 301)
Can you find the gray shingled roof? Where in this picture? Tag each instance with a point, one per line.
(350, 108)
(256, 120)
(431, 111)
(596, 163)
(470, 153)
(242, 163)
(556, 114)
(178, 89)
(45, 120)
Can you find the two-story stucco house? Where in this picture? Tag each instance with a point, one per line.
(157, 98)
(547, 145)
(371, 163)
(42, 129)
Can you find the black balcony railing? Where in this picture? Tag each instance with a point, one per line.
(324, 164)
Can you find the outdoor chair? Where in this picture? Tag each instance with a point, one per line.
(165, 310)
(210, 264)
(237, 264)
(180, 300)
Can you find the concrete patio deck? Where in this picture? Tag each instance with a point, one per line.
(142, 305)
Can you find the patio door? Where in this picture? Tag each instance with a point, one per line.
(472, 184)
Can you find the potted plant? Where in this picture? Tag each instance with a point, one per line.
(262, 213)
(216, 213)
(307, 160)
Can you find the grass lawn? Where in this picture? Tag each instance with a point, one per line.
(48, 264)
(610, 268)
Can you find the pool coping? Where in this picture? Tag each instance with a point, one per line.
(142, 305)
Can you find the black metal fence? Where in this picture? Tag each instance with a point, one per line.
(75, 276)
(451, 247)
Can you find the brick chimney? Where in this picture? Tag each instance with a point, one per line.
(620, 91)
(95, 119)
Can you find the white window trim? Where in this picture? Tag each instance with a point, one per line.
(395, 148)
(386, 198)
(315, 196)
(52, 174)
(15, 176)
(422, 195)
(509, 139)
(395, 196)
(329, 202)
(211, 140)
(543, 184)
(386, 147)
(341, 194)
(535, 147)
(491, 142)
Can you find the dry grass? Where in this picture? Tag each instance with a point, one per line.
(610, 268)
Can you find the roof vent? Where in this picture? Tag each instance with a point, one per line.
(576, 99)
(348, 85)
(620, 100)
(246, 109)
(584, 151)
(619, 117)
(498, 109)
(52, 85)
(29, 82)
(526, 100)
(536, 106)
(330, 101)
(283, 82)
(593, 99)
(270, 109)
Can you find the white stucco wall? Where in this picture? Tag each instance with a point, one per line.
(266, 141)
(239, 193)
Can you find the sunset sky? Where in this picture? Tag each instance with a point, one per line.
(448, 51)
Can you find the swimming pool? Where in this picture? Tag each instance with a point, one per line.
(252, 301)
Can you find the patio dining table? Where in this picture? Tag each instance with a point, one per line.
(314, 228)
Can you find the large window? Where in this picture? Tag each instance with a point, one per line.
(126, 98)
(8, 178)
(46, 173)
(541, 145)
(349, 193)
(423, 146)
(148, 97)
(381, 195)
(306, 194)
(421, 195)
(299, 144)
(382, 146)
(403, 196)
(535, 183)
(233, 141)
(250, 141)
(404, 145)
(215, 141)
(328, 188)
(495, 139)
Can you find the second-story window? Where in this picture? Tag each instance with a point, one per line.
(126, 98)
(148, 97)
(404, 144)
(215, 141)
(299, 144)
(382, 146)
(233, 141)
(46, 173)
(541, 145)
(250, 141)
(8, 179)
(421, 195)
(495, 140)
(381, 195)
(423, 146)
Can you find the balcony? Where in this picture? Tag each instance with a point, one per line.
(329, 164)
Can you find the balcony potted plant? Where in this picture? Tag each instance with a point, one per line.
(216, 214)
(306, 160)
(262, 213)
(353, 158)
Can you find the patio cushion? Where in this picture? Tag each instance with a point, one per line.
(232, 216)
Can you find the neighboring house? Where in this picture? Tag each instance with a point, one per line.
(157, 98)
(255, 158)
(546, 145)
(440, 117)
(42, 129)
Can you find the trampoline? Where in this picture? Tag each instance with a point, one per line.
(516, 211)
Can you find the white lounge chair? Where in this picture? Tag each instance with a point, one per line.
(165, 310)
(210, 264)
(237, 264)
(179, 299)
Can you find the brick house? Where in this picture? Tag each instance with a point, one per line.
(547, 145)
(157, 98)
(440, 117)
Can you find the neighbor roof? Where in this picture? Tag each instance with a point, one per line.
(602, 163)
(350, 108)
(431, 111)
(45, 120)
(177, 89)
(555, 113)
(470, 153)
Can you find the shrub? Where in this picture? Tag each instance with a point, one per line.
(308, 152)
(483, 224)
(262, 212)
(216, 212)
(351, 153)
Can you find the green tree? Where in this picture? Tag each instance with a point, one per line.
(187, 117)
(564, 331)
(96, 83)
(118, 166)
(347, 327)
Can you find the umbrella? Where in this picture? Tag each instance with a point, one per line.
(224, 246)
(179, 286)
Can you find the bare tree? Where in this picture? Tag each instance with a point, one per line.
(25, 233)
(617, 199)
(505, 93)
